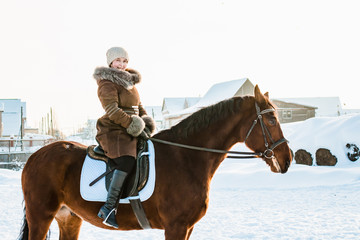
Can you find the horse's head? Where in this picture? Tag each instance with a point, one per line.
(265, 135)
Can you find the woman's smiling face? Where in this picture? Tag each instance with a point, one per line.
(119, 63)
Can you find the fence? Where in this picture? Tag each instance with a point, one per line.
(14, 153)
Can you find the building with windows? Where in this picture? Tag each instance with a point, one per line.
(293, 112)
(13, 116)
(175, 105)
(325, 106)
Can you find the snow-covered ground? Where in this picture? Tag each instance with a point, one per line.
(247, 201)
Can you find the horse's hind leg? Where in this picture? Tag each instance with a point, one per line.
(42, 202)
(39, 222)
(69, 224)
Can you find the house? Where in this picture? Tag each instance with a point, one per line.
(171, 105)
(13, 116)
(325, 106)
(216, 93)
(174, 105)
(292, 112)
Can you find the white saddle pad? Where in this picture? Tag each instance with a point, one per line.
(93, 168)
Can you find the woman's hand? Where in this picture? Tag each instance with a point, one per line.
(136, 126)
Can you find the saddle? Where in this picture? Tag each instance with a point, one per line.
(136, 180)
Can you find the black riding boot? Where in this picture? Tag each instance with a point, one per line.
(108, 211)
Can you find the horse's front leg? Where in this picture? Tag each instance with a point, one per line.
(189, 233)
(177, 232)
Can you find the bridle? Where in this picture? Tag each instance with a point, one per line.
(268, 153)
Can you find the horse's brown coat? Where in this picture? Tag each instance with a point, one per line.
(51, 177)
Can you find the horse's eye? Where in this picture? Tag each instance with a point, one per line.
(272, 122)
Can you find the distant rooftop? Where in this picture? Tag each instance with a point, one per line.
(217, 93)
(221, 91)
(171, 105)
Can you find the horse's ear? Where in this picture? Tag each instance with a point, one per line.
(259, 97)
(266, 94)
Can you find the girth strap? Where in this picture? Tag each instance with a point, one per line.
(139, 212)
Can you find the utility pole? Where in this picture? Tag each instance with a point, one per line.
(22, 128)
(1, 112)
(51, 123)
(48, 124)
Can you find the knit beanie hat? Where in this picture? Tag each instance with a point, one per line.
(114, 53)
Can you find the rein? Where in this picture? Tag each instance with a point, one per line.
(251, 154)
(268, 153)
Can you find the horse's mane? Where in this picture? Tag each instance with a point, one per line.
(206, 116)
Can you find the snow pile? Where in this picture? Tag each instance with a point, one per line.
(332, 133)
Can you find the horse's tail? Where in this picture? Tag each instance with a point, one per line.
(24, 232)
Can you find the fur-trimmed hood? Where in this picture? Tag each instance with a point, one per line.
(127, 78)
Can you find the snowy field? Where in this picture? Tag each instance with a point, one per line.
(247, 201)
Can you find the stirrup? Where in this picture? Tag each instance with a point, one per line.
(110, 219)
(114, 224)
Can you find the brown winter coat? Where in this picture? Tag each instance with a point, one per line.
(117, 94)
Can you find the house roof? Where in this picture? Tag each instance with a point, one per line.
(326, 106)
(171, 105)
(191, 101)
(280, 104)
(221, 91)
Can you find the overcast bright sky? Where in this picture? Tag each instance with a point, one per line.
(49, 50)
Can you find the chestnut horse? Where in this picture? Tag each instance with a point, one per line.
(51, 176)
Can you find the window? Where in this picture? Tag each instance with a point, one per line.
(287, 114)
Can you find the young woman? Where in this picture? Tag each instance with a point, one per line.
(124, 120)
